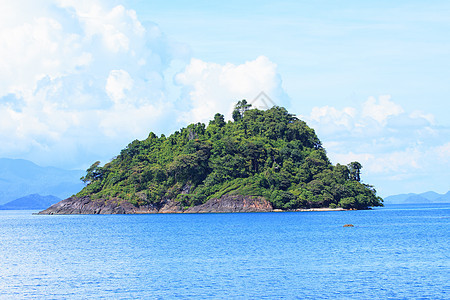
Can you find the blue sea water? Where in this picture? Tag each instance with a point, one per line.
(395, 252)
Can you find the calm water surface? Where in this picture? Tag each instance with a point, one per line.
(396, 252)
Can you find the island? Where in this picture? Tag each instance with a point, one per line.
(261, 161)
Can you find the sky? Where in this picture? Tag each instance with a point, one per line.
(81, 79)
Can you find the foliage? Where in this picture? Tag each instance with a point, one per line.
(268, 153)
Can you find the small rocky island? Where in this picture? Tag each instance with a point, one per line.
(261, 161)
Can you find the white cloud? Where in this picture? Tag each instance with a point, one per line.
(115, 27)
(373, 121)
(211, 87)
(392, 145)
(417, 114)
(443, 152)
(335, 120)
(79, 80)
(381, 163)
(117, 83)
(382, 109)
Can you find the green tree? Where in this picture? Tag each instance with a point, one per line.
(355, 170)
(219, 120)
(240, 108)
(93, 173)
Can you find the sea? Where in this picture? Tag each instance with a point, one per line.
(394, 252)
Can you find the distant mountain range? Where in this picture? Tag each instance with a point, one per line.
(19, 178)
(411, 198)
(34, 201)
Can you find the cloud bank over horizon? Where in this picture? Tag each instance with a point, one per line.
(392, 144)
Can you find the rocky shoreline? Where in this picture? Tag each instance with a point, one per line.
(224, 204)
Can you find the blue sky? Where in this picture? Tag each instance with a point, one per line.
(81, 79)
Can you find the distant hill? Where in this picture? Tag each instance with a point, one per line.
(445, 198)
(19, 178)
(411, 198)
(431, 195)
(34, 201)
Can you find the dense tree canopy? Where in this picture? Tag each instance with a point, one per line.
(268, 153)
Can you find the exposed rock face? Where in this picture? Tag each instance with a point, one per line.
(234, 203)
(225, 204)
(86, 205)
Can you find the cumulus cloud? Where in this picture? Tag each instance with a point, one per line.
(117, 83)
(211, 87)
(80, 79)
(391, 143)
(382, 109)
(340, 120)
(376, 122)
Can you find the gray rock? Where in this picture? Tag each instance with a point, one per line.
(224, 204)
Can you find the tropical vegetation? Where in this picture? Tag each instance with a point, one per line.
(271, 154)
